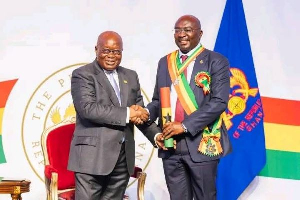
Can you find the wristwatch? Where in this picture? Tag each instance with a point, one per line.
(184, 128)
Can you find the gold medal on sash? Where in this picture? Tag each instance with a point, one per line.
(176, 82)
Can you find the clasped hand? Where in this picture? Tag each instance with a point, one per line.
(169, 129)
(138, 115)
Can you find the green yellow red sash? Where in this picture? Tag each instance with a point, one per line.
(181, 85)
(210, 143)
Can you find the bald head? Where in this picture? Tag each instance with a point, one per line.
(109, 50)
(192, 19)
(109, 35)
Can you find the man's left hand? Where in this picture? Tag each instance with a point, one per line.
(172, 128)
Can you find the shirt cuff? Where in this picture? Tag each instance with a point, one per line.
(127, 115)
(155, 139)
(148, 113)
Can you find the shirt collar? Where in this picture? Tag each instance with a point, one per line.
(109, 72)
(190, 52)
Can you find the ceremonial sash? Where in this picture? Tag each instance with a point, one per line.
(181, 85)
(210, 143)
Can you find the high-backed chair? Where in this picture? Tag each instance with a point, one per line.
(60, 182)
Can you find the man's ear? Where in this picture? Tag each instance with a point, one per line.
(201, 33)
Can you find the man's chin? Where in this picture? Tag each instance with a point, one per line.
(184, 50)
(110, 67)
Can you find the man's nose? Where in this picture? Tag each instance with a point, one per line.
(111, 54)
(182, 33)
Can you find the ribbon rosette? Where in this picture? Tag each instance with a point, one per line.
(203, 79)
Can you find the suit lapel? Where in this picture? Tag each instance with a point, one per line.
(104, 82)
(123, 83)
(198, 66)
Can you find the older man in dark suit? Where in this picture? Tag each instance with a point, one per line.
(107, 99)
(199, 82)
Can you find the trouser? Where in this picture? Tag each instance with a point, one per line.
(108, 187)
(187, 180)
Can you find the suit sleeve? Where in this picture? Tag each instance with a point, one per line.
(139, 98)
(83, 92)
(148, 129)
(209, 112)
(154, 105)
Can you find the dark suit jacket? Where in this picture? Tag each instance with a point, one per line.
(101, 121)
(210, 106)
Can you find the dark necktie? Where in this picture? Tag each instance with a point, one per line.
(179, 112)
(114, 85)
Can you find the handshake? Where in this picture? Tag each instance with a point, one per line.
(138, 114)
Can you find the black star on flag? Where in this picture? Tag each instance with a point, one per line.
(167, 117)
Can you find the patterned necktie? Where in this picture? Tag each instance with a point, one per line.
(114, 85)
(179, 112)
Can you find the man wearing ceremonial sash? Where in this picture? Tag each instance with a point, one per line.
(199, 83)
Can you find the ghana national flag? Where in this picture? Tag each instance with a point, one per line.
(5, 89)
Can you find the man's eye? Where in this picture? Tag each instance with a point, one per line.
(117, 52)
(106, 51)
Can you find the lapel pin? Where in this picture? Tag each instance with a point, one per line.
(125, 81)
(201, 61)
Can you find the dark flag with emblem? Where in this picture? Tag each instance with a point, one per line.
(244, 116)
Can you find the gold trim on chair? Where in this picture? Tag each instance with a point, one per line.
(53, 186)
(141, 185)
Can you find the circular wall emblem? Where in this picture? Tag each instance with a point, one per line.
(236, 105)
(50, 105)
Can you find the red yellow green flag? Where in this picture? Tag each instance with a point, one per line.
(5, 89)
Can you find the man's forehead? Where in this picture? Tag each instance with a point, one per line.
(109, 40)
(188, 20)
(109, 35)
(111, 44)
(185, 23)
